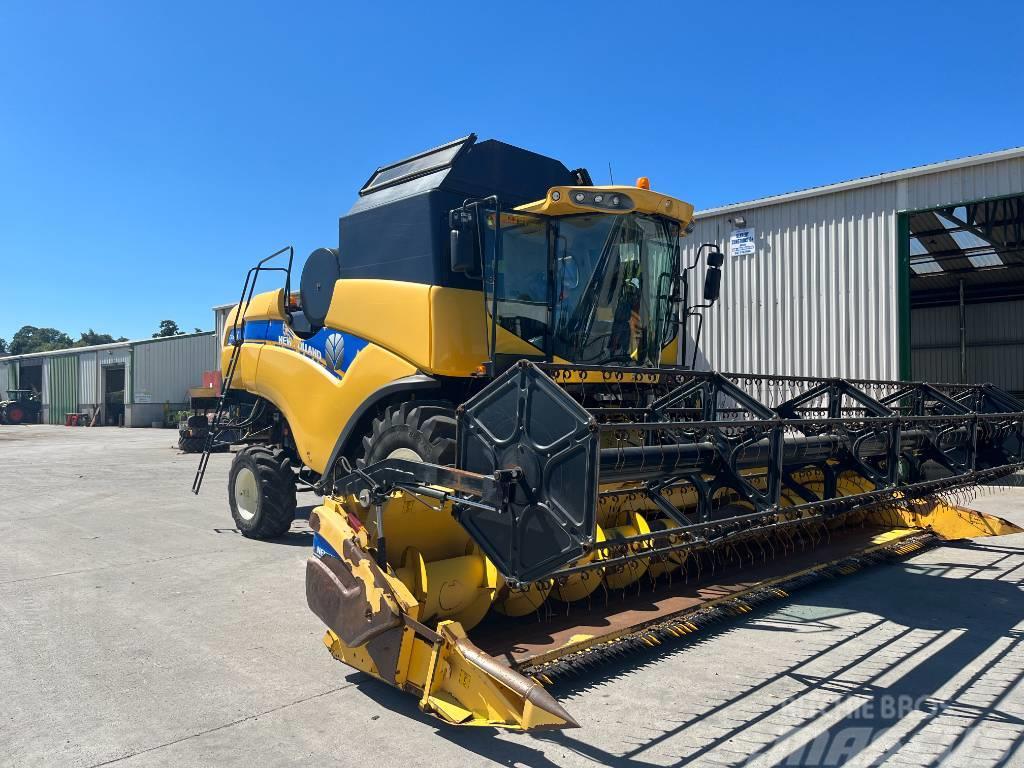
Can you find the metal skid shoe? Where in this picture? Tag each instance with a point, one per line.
(374, 625)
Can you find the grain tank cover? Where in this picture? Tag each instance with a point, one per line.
(398, 228)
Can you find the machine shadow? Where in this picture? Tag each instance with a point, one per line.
(970, 619)
(299, 535)
(520, 749)
(294, 538)
(978, 612)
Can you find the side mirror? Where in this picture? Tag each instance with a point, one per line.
(462, 252)
(463, 245)
(713, 278)
(712, 284)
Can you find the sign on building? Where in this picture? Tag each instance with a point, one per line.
(741, 242)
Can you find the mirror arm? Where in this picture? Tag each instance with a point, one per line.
(696, 256)
(696, 338)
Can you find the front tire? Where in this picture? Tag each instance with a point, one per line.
(418, 431)
(261, 492)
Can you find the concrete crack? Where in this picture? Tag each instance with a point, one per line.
(221, 727)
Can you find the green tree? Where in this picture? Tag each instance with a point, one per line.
(3, 345)
(28, 339)
(90, 338)
(168, 328)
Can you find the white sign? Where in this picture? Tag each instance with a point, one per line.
(143, 397)
(741, 242)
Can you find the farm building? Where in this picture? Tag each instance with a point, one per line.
(916, 274)
(131, 383)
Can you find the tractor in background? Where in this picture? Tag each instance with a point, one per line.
(23, 406)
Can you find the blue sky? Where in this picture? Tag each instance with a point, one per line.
(151, 152)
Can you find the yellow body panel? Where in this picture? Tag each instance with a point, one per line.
(669, 351)
(412, 328)
(644, 201)
(439, 330)
(263, 306)
(454, 679)
(246, 367)
(316, 404)
(388, 313)
(948, 521)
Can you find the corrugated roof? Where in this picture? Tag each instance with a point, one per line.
(864, 181)
(99, 347)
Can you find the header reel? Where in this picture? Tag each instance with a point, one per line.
(541, 443)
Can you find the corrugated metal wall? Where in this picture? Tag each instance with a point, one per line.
(220, 316)
(63, 387)
(88, 381)
(45, 392)
(166, 368)
(6, 380)
(116, 356)
(959, 185)
(995, 344)
(164, 371)
(818, 297)
(820, 294)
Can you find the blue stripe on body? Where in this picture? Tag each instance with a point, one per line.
(335, 350)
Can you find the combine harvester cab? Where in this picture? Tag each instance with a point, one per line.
(517, 478)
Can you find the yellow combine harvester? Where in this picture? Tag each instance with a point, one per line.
(517, 477)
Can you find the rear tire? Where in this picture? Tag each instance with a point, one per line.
(261, 492)
(191, 444)
(415, 430)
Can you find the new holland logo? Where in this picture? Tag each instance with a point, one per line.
(334, 350)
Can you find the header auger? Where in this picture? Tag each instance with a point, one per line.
(488, 401)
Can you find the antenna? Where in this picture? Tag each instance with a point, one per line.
(611, 179)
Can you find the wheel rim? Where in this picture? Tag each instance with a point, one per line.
(404, 453)
(246, 493)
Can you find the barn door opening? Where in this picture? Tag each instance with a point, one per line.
(113, 395)
(965, 273)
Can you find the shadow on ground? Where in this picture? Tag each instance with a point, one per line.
(936, 646)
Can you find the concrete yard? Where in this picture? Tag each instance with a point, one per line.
(138, 628)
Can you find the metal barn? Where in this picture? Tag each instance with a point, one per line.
(133, 383)
(916, 274)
